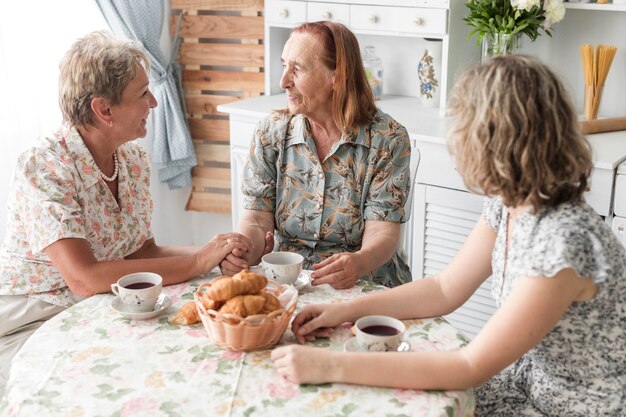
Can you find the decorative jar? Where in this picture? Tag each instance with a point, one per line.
(429, 73)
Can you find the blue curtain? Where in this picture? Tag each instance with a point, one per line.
(142, 20)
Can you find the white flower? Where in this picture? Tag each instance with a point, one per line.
(555, 11)
(525, 4)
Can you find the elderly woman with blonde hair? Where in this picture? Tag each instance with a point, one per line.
(79, 209)
(555, 346)
(331, 172)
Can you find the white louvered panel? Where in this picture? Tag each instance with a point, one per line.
(448, 217)
(444, 243)
(440, 232)
(465, 323)
(435, 265)
(431, 271)
(440, 252)
(447, 227)
(455, 217)
(430, 255)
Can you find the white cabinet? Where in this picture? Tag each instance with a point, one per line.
(395, 28)
(407, 21)
(333, 12)
(283, 13)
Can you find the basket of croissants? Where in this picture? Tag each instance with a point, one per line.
(244, 312)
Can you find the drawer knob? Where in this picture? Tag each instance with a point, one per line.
(283, 13)
(373, 19)
(327, 15)
(418, 21)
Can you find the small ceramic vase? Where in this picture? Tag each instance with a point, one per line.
(429, 73)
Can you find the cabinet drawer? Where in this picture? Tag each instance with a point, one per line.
(285, 13)
(405, 20)
(339, 13)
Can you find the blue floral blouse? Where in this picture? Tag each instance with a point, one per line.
(320, 207)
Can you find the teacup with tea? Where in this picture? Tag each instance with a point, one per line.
(379, 333)
(283, 267)
(139, 292)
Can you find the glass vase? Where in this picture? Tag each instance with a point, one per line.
(373, 66)
(495, 44)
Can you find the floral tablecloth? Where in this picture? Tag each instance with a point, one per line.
(91, 361)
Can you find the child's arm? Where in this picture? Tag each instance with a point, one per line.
(429, 297)
(534, 307)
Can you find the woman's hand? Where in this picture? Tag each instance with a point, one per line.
(211, 254)
(318, 320)
(237, 260)
(340, 270)
(302, 364)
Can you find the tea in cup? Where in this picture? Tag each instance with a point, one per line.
(379, 333)
(283, 267)
(139, 292)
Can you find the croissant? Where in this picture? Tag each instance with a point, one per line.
(244, 305)
(271, 303)
(188, 314)
(210, 304)
(244, 282)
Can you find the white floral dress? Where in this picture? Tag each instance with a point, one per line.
(56, 193)
(579, 368)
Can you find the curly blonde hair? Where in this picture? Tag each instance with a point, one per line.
(96, 65)
(516, 134)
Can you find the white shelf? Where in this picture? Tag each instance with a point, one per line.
(422, 123)
(595, 6)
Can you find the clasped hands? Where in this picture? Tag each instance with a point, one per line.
(340, 270)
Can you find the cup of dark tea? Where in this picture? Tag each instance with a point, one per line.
(379, 333)
(139, 291)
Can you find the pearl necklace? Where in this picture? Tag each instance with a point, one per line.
(114, 176)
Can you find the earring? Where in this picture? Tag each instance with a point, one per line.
(110, 123)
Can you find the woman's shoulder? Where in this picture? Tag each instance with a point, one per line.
(573, 234)
(49, 150)
(277, 119)
(277, 126)
(386, 126)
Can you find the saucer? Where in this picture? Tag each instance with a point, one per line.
(304, 279)
(161, 305)
(350, 345)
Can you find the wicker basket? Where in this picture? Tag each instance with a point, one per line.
(257, 332)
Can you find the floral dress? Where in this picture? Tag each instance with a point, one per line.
(579, 368)
(320, 207)
(57, 193)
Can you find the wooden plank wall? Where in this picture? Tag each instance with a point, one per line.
(221, 56)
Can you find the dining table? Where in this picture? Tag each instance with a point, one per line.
(90, 360)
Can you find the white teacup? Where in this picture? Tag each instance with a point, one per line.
(379, 333)
(139, 291)
(283, 267)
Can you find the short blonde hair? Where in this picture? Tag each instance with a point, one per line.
(96, 65)
(516, 134)
(352, 100)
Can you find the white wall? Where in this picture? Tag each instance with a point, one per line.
(562, 52)
(28, 105)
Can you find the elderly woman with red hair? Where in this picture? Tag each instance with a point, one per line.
(331, 172)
